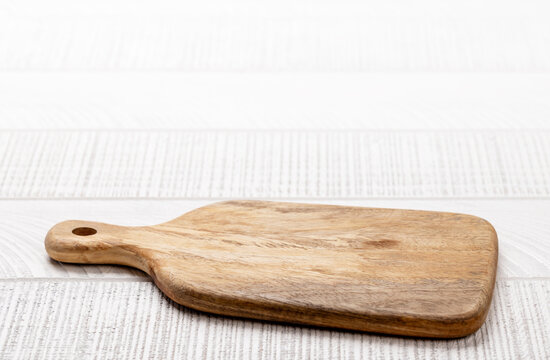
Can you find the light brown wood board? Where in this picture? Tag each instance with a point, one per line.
(392, 271)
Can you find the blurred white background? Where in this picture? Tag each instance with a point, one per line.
(237, 64)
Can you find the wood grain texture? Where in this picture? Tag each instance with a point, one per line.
(273, 37)
(278, 164)
(391, 271)
(126, 319)
(522, 227)
(52, 315)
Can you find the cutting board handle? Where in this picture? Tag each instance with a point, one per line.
(88, 242)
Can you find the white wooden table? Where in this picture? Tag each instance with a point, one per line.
(135, 113)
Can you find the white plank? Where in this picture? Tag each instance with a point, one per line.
(132, 320)
(277, 36)
(466, 8)
(274, 164)
(166, 100)
(522, 227)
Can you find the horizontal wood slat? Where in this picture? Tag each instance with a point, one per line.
(305, 100)
(283, 36)
(114, 319)
(293, 164)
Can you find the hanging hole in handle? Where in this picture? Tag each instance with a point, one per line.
(84, 231)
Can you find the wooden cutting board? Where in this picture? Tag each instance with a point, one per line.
(404, 272)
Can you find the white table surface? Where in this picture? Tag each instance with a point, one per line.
(135, 112)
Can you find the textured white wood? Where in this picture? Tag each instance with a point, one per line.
(522, 226)
(173, 100)
(274, 164)
(291, 65)
(276, 36)
(133, 320)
